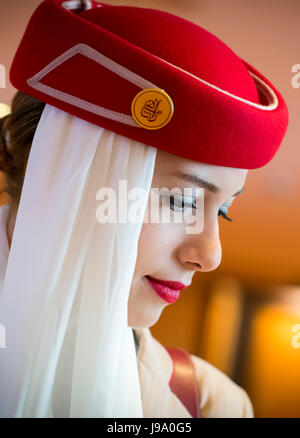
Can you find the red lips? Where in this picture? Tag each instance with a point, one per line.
(175, 285)
(169, 291)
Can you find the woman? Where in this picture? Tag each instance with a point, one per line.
(199, 121)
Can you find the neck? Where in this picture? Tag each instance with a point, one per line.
(136, 342)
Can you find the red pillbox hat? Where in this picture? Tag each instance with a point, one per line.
(153, 77)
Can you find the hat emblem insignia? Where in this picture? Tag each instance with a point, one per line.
(150, 110)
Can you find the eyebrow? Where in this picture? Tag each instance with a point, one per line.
(202, 183)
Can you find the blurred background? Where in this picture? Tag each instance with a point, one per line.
(244, 317)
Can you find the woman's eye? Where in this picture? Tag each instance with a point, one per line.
(224, 214)
(179, 204)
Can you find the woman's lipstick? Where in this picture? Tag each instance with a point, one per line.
(167, 290)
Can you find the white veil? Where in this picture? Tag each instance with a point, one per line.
(63, 302)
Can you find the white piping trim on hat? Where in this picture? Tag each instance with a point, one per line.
(98, 57)
(88, 5)
(267, 91)
(263, 86)
(123, 72)
(76, 4)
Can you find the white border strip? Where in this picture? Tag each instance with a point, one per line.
(264, 88)
(77, 4)
(140, 82)
(91, 53)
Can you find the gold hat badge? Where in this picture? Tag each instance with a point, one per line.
(152, 108)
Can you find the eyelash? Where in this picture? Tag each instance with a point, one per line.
(220, 212)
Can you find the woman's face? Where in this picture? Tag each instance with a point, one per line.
(165, 250)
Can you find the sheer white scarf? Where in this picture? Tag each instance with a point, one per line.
(63, 302)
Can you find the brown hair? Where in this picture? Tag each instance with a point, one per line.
(17, 130)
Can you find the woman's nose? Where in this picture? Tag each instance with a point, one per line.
(202, 252)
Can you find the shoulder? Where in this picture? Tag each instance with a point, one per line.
(220, 396)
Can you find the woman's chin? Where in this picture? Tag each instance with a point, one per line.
(143, 320)
(144, 305)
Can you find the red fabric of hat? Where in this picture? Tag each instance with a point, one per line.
(153, 77)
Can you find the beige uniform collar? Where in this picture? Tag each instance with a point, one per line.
(155, 370)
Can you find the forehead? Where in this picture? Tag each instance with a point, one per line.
(226, 178)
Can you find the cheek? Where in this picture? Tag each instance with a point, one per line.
(149, 245)
(155, 247)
